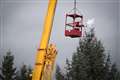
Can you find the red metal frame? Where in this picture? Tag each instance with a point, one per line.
(76, 25)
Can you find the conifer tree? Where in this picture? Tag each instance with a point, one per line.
(68, 68)
(8, 71)
(107, 68)
(88, 60)
(59, 75)
(114, 73)
(24, 73)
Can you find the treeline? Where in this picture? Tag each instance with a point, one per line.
(8, 71)
(89, 62)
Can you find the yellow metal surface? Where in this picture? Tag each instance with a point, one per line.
(49, 63)
(41, 53)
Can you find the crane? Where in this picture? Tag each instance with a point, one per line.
(46, 53)
(42, 50)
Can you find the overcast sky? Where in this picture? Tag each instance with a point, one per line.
(21, 25)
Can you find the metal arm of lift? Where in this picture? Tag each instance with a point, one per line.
(41, 53)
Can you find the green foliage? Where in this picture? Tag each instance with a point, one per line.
(29, 73)
(89, 62)
(24, 73)
(106, 74)
(8, 71)
(114, 73)
(68, 68)
(59, 75)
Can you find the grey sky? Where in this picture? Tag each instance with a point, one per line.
(21, 24)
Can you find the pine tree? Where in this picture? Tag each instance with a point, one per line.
(114, 73)
(29, 74)
(59, 75)
(107, 68)
(68, 72)
(88, 61)
(78, 66)
(8, 71)
(24, 73)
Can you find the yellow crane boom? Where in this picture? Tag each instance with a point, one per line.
(42, 51)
